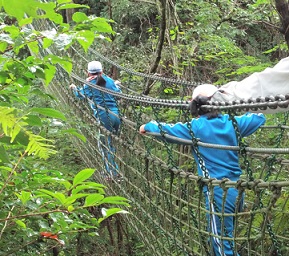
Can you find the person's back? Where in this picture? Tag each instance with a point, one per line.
(220, 130)
(104, 107)
(103, 99)
(214, 128)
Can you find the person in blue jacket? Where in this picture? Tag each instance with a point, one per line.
(104, 107)
(215, 128)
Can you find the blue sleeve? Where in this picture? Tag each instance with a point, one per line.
(82, 92)
(86, 91)
(112, 85)
(249, 123)
(78, 93)
(179, 130)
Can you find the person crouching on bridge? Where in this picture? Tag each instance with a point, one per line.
(212, 127)
(105, 109)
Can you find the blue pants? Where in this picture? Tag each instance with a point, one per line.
(222, 246)
(111, 123)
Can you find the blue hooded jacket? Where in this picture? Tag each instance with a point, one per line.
(100, 98)
(220, 163)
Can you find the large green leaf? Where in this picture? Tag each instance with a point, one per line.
(82, 176)
(49, 112)
(33, 120)
(79, 17)
(85, 39)
(64, 62)
(93, 199)
(49, 73)
(101, 25)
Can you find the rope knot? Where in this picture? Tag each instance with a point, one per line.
(223, 183)
(255, 185)
(241, 185)
(276, 192)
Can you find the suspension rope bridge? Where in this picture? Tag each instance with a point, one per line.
(168, 209)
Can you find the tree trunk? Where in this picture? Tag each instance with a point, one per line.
(282, 7)
(160, 45)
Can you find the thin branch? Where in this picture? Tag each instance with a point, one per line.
(6, 222)
(33, 214)
(12, 171)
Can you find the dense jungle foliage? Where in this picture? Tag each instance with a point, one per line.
(200, 41)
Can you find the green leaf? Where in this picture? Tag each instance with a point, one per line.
(39, 146)
(13, 31)
(24, 196)
(33, 120)
(14, 8)
(66, 184)
(71, 199)
(79, 17)
(64, 62)
(47, 42)
(57, 195)
(3, 155)
(33, 46)
(75, 133)
(49, 112)
(115, 200)
(3, 46)
(3, 77)
(85, 39)
(22, 138)
(42, 94)
(70, 208)
(93, 199)
(24, 22)
(82, 176)
(72, 6)
(49, 73)
(109, 212)
(63, 1)
(89, 186)
(20, 223)
(101, 25)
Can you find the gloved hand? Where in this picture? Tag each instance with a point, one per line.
(72, 87)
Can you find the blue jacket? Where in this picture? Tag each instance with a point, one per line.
(220, 163)
(98, 97)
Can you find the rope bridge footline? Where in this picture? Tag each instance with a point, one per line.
(168, 210)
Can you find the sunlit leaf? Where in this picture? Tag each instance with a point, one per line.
(93, 199)
(79, 17)
(72, 6)
(24, 196)
(49, 112)
(20, 223)
(109, 212)
(82, 176)
(49, 73)
(85, 39)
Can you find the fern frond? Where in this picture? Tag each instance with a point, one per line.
(38, 145)
(12, 125)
